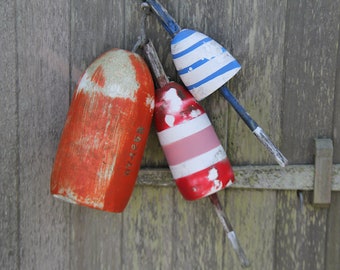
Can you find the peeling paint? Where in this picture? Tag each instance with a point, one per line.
(196, 159)
(115, 69)
(104, 137)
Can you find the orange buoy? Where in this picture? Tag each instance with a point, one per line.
(105, 133)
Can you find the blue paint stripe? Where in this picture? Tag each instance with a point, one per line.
(212, 76)
(191, 48)
(198, 64)
(182, 35)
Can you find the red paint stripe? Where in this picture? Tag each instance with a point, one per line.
(98, 76)
(191, 146)
(198, 185)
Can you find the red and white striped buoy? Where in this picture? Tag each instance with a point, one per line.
(194, 153)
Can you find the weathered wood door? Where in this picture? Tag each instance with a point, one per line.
(289, 83)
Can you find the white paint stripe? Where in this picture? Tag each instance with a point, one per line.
(208, 51)
(198, 163)
(186, 129)
(186, 42)
(211, 86)
(206, 69)
(119, 73)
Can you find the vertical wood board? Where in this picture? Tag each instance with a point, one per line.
(258, 44)
(147, 238)
(333, 234)
(43, 81)
(336, 113)
(9, 174)
(198, 239)
(323, 172)
(95, 239)
(252, 214)
(309, 73)
(300, 239)
(96, 27)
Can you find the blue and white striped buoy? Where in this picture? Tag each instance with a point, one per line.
(204, 67)
(202, 63)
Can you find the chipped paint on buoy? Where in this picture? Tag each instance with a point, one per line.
(203, 64)
(105, 133)
(196, 159)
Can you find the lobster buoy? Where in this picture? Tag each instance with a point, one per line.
(105, 133)
(203, 64)
(196, 158)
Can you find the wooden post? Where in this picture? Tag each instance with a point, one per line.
(323, 172)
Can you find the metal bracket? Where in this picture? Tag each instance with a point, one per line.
(323, 172)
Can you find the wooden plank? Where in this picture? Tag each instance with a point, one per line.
(336, 114)
(300, 233)
(95, 28)
(147, 237)
(293, 177)
(310, 70)
(258, 44)
(9, 175)
(95, 239)
(252, 213)
(198, 238)
(43, 82)
(333, 233)
(323, 172)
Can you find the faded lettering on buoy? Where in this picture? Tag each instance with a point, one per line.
(105, 133)
(133, 149)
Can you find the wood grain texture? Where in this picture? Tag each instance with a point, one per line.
(300, 238)
(198, 237)
(43, 81)
(258, 44)
(336, 112)
(293, 177)
(333, 234)
(9, 174)
(289, 82)
(309, 71)
(147, 239)
(95, 240)
(323, 172)
(253, 218)
(95, 28)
